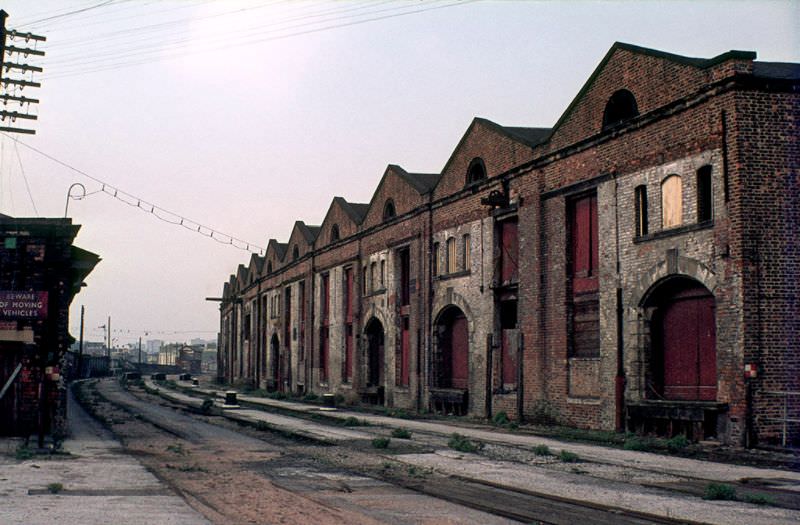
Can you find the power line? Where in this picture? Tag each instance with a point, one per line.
(123, 64)
(155, 45)
(25, 177)
(101, 4)
(158, 212)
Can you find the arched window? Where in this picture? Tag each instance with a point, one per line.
(295, 253)
(671, 202)
(476, 171)
(334, 233)
(388, 210)
(619, 108)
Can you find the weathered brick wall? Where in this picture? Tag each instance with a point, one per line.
(766, 185)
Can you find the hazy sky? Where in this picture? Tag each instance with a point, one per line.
(247, 116)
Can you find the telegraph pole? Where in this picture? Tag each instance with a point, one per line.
(14, 74)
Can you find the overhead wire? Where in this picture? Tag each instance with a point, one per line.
(70, 13)
(25, 178)
(155, 45)
(150, 208)
(124, 64)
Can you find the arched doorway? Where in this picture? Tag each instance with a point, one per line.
(375, 360)
(451, 362)
(683, 360)
(275, 362)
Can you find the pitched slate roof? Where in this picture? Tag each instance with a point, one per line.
(422, 182)
(279, 247)
(529, 136)
(355, 210)
(310, 233)
(777, 70)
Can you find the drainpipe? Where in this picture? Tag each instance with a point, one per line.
(429, 313)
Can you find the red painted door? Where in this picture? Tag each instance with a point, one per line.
(689, 344)
(459, 352)
(404, 352)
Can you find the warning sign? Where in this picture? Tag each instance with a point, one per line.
(23, 305)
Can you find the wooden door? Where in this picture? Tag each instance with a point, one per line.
(689, 346)
(459, 353)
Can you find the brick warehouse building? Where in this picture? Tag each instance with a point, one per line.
(40, 273)
(624, 269)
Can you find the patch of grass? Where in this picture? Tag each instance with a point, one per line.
(263, 426)
(177, 448)
(677, 443)
(280, 396)
(720, 491)
(416, 472)
(542, 450)
(638, 443)
(55, 488)
(351, 421)
(568, 457)
(758, 499)
(207, 405)
(187, 468)
(381, 442)
(310, 398)
(501, 419)
(23, 453)
(463, 444)
(401, 433)
(398, 413)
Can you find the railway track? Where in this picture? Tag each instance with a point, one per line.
(519, 505)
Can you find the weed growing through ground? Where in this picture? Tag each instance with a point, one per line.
(208, 403)
(463, 444)
(380, 442)
(568, 457)
(501, 419)
(677, 443)
(55, 488)
(401, 433)
(177, 448)
(262, 426)
(541, 450)
(23, 453)
(720, 491)
(415, 472)
(758, 499)
(637, 443)
(354, 422)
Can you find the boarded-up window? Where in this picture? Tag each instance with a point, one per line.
(584, 307)
(405, 277)
(704, 194)
(373, 277)
(347, 362)
(508, 251)
(583, 231)
(402, 370)
(466, 262)
(324, 342)
(641, 210)
(671, 202)
(383, 274)
(451, 255)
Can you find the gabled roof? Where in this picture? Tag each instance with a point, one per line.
(777, 70)
(310, 233)
(701, 63)
(278, 247)
(241, 274)
(256, 263)
(530, 136)
(422, 182)
(355, 210)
